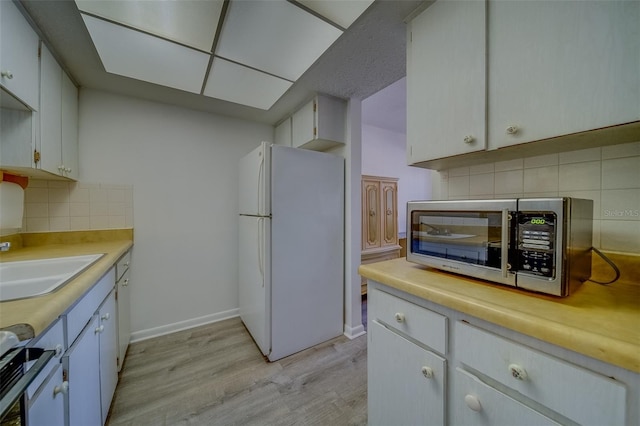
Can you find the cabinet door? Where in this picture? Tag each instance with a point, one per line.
(283, 133)
(124, 317)
(82, 364)
(446, 81)
(475, 403)
(389, 212)
(370, 214)
(46, 408)
(406, 384)
(561, 67)
(50, 124)
(108, 352)
(69, 123)
(18, 55)
(303, 126)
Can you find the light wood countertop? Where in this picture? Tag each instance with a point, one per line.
(601, 322)
(30, 317)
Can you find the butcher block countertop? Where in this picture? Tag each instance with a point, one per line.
(601, 322)
(30, 317)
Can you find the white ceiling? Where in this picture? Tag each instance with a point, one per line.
(368, 57)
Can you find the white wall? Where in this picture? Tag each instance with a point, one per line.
(182, 165)
(384, 154)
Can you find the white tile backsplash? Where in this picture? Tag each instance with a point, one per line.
(580, 176)
(580, 156)
(621, 173)
(541, 179)
(509, 182)
(621, 151)
(610, 176)
(74, 206)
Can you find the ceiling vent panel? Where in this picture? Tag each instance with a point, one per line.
(275, 36)
(192, 23)
(138, 55)
(343, 13)
(236, 83)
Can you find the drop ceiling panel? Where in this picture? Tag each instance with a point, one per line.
(235, 83)
(192, 23)
(275, 36)
(144, 57)
(343, 13)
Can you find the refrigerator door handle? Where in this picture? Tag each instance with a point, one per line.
(260, 187)
(260, 243)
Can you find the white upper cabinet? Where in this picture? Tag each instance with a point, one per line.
(516, 72)
(282, 133)
(446, 81)
(319, 124)
(69, 122)
(50, 102)
(561, 67)
(58, 119)
(18, 57)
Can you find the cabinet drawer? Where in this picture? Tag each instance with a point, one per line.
(579, 394)
(475, 403)
(81, 313)
(419, 323)
(123, 265)
(53, 338)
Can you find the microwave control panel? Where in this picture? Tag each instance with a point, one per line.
(536, 243)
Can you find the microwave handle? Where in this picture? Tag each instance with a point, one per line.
(504, 264)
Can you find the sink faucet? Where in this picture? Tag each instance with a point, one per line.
(5, 246)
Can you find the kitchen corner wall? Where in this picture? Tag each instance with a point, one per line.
(610, 176)
(384, 153)
(53, 205)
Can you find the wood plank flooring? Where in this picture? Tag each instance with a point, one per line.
(215, 375)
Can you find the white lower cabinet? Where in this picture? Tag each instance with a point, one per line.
(82, 367)
(108, 334)
(46, 407)
(495, 376)
(407, 374)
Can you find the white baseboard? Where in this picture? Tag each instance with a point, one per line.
(353, 332)
(138, 336)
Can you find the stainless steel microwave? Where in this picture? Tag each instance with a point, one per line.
(538, 244)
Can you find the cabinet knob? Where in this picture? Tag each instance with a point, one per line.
(518, 372)
(469, 139)
(399, 316)
(372, 213)
(7, 74)
(106, 316)
(427, 372)
(126, 264)
(473, 402)
(59, 349)
(61, 167)
(125, 282)
(67, 169)
(63, 388)
(512, 130)
(99, 329)
(389, 212)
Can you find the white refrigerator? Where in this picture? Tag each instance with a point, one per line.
(291, 245)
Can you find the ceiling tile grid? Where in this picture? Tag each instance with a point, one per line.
(263, 47)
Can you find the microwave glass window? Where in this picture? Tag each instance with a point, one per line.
(470, 237)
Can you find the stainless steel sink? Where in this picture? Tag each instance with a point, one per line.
(29, 278)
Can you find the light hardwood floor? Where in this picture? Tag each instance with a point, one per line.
(215, 375)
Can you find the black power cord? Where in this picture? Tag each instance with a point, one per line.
(613, 265)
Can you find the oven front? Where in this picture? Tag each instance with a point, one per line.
(14, 381)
